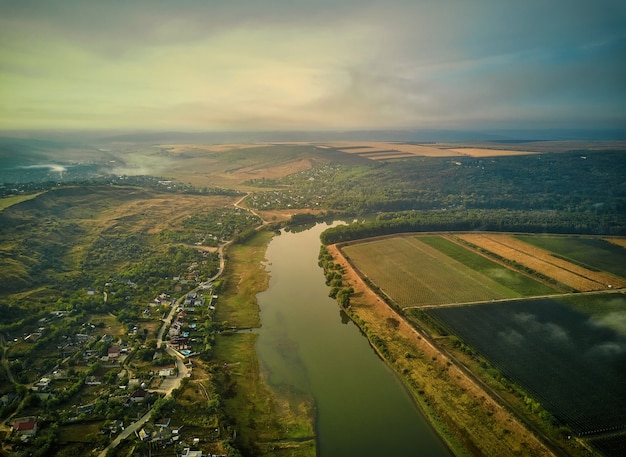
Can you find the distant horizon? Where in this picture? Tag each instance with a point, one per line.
(397, 135)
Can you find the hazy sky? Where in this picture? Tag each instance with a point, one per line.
(312, 64)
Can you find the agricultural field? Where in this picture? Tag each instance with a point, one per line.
(578, 277)
(379, 150)
(430, 270)
(572, 365)
(7, 202)
(566, 351)
(592, 253)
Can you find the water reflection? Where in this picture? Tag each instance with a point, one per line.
(362, 408)
(344, 317)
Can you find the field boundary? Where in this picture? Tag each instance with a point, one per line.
(368, 309)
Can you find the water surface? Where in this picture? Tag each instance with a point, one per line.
(306, 345)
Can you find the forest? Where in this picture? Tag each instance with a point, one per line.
(577, 181)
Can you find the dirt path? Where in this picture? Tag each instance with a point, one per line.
(5, 362)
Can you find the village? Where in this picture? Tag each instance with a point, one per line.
(108, 380)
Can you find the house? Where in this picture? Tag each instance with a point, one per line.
(164, 422)
(85, 409)
(43, 385)
(113, 427)
(25, 427)
(92, 381)
(174, 329)
(162, 299)
(33, 337)
(82, 338)
(166, 372)
(144, 435)
(114, 352)
(189, 453)
(138, 395)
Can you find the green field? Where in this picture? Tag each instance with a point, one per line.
(573, 367)
(7, 202)
(603, 311)
(429, 270)
(593, 253)
(524, 285)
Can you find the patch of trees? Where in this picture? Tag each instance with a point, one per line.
(212, 227)
(334, 278)
(175, 261)
(26, 182)
(112, 248)
(578, 181)
(483, 220)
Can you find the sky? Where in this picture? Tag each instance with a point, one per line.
(256, 65)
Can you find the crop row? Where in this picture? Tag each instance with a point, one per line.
(413, 273)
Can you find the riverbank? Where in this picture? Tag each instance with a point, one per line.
(267, 423)
(466, 417)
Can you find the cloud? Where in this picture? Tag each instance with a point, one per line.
(51, 167)
(608, 349)
(511, 337)
(299, 64)
(548, 330)
(614, 320)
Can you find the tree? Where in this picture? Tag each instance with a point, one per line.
(343, 297)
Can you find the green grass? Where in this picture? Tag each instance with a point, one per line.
(413, 273)
(522, 284)
(79, 433)
(7, 202)
(264, 421)
(592, 253)
(244, 277)
(267, 422)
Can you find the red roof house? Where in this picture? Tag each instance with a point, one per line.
(28, 428)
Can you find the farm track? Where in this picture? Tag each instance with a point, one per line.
(537, 297)
(541, 261)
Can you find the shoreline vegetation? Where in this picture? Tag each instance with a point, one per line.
(269, 422)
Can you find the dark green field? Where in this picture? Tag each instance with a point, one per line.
(524, 285)
(573, 365)
(593, 253)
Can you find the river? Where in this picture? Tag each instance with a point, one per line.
(307, 346)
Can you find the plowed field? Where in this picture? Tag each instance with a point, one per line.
(541, 261)
(618, 241)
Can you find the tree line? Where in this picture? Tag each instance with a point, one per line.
(501, 220)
